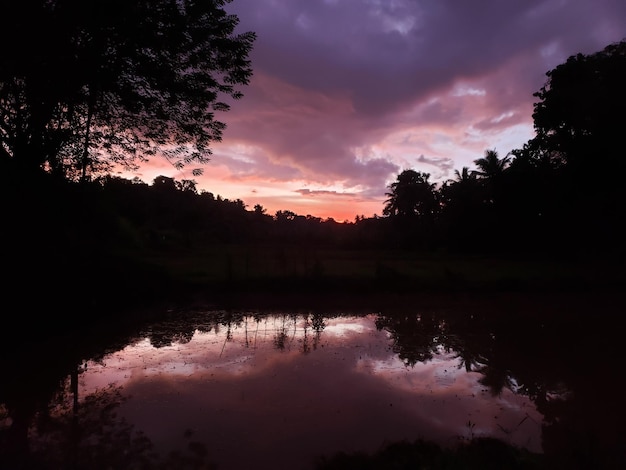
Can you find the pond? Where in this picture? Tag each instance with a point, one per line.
(538, 380)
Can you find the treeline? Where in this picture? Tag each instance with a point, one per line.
(528, 201)
(170, 214)
(562, 193)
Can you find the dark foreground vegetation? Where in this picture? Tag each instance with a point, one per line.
(477, 454)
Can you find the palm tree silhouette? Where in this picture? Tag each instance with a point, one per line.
(491, 165)
(411, 195)
(465, 175)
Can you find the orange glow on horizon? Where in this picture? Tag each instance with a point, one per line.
(272, 195)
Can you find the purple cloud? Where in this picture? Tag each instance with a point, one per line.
(346, 94)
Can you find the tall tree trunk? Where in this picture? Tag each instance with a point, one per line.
(85, 156)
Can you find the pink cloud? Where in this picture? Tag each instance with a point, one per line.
(347, 94)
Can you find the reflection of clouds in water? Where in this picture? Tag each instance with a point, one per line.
(250, 348)
(441, 371)
(344, 326)
(447, 396)
(245, 348)
(227, 377)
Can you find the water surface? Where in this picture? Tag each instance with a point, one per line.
(243, 389)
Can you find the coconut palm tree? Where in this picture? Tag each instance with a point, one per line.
(491, 165)
(464, 175)
(411, 195)
(491, 169)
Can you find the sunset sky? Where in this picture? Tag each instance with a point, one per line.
(348, 93)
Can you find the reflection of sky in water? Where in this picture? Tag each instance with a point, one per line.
(342, 389)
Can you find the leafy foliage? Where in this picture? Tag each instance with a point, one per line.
(580, 112)
(114, 82)
(411, 195)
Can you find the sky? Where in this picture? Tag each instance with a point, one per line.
(346, 94)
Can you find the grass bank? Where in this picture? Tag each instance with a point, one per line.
(281, 268)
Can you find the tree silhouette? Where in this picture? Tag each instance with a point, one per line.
(411, 195)
(580, 108)
(116, 81)
(492, 172)
(463, 210)
(491, 165)
(579, 118)
(465, 175)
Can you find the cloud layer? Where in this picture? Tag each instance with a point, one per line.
(347, 93)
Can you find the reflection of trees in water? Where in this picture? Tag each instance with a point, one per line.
(414, 336)
(562, 358)
(286, 328)
(315, 322)
(38, 428)
(548, 356)
(91, 435)
(280, 333)
(180, 327)
(31, 380)
(469, 359)
(296, 327)
(478, 344)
